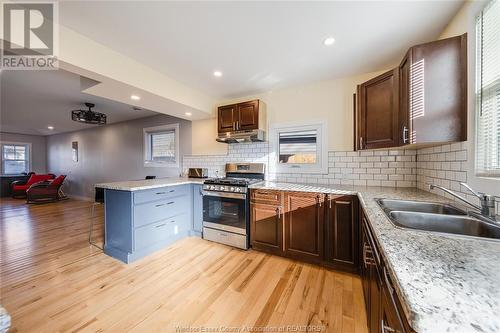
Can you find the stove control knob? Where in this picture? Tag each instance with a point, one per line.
(212, 187)
(222, 188)
(232, 189)
(237, 189)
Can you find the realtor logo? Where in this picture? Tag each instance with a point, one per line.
(29, 36)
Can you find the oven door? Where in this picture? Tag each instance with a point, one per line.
(225, 211)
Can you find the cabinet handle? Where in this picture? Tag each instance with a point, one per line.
(160, 225)
(234, 126)
(171, 191)
(405, 134)
(330, 201)
(318, 200)
(388, 283)
(171, 202)
(360, 142)
(278, 210)
(159, 205)
(158, 193)
(386, 329)
(237, 125)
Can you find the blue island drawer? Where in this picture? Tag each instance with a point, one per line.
(160, 193)
(148, 235)
(159, 210)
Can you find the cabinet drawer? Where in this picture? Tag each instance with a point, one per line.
(269, 197)
(160, 193)
(159, 231)
(150, 212)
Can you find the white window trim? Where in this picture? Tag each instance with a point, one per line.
(320, 167)
(156, 164)
(479, 171)
(30, 155)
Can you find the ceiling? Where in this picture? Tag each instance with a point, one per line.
(33, 100)
(258, 46)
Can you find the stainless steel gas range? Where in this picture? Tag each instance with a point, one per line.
(226, 209)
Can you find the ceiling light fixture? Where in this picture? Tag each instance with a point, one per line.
(135, 97)
(329, 41)
(217, 73)
(50, 127)
(88, 116)
(189, 114)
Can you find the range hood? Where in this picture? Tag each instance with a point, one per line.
(242, 136)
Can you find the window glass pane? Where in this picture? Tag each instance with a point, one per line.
(8, 152)
(20, 153)
(14, 167)
(298, 147)
(163, 146)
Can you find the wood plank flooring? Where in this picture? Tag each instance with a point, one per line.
(52, 280)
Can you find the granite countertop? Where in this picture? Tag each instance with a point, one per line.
(146, 184)
(447, 283)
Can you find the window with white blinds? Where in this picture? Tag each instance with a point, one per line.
(161, 146)
(488, 91)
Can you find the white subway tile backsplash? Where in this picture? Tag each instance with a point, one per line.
(370, 168)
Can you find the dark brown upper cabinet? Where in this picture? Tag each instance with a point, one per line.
(378, 101)
(433, 84)
(304, 216)
(422, 101)
(245, 116)
(226, 118)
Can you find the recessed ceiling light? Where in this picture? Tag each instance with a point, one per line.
(329, 41)
(50, 127)
(188, 114)
(135, 97)
(217, 73)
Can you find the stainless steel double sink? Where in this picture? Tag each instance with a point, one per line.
(437, 217)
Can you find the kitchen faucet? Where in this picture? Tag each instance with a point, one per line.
(488, 203)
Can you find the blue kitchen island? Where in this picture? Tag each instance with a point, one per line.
(144, 216)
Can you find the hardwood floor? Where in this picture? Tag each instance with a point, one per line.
(52, 280)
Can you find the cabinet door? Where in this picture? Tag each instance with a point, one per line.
(266, 228)
(390, 320)
(404, 100)
(304, 215)
(438, 99)
(365, 271)
(248, 115)
(342, 233)
(378, 111)
(375, 300)
(227, 116)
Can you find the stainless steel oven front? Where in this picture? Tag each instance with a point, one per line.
(225, 218)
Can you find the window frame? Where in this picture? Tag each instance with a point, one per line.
(147, 132)
(321, 165)
(479, 168)
(15, 143)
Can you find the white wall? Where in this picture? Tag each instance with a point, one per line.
(464, 22)
(330, 101)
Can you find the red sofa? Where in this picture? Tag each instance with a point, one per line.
(45, 191)
(20, 187)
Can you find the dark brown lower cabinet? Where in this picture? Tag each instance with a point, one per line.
(383, 310)
(312, 227)
(342, 233)
(304, 216)
(266, 228)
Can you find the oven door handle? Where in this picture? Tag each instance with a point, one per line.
(224, 194)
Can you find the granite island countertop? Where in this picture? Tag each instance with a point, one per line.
(447, 283)
(146, 184)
